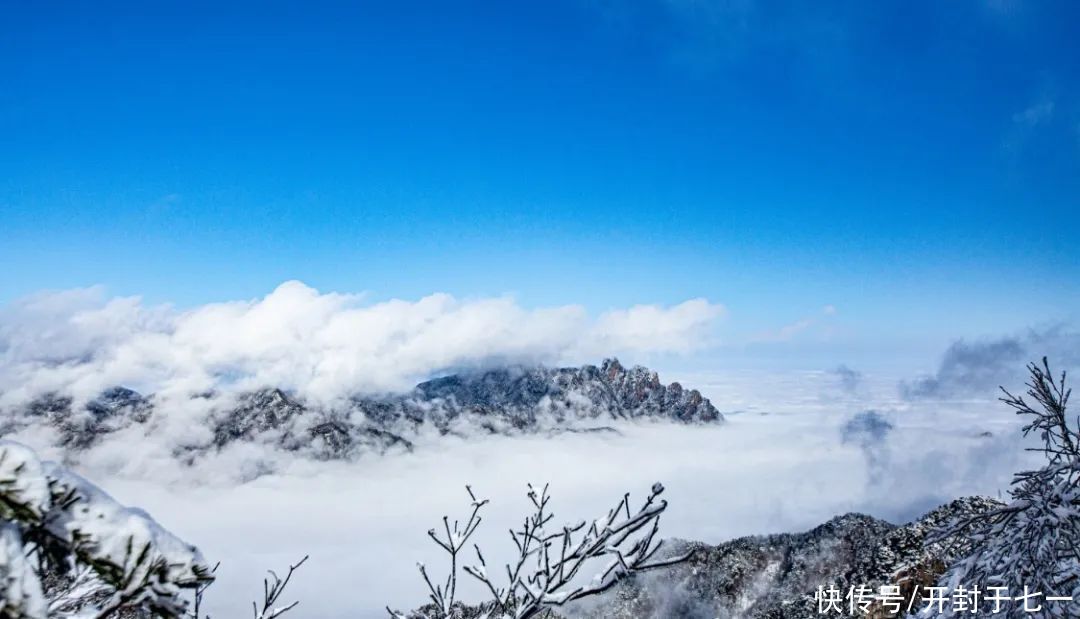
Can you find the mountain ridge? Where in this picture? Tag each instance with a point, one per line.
(507, 400)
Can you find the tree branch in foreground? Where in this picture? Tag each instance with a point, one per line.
(551, 568)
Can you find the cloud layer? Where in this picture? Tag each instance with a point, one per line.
(324, 345)
(363, 523)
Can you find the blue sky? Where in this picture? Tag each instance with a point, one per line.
(914, 165)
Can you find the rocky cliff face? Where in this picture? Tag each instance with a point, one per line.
(504, 401)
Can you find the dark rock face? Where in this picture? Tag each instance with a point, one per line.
(79, 428)
(275, 417)
(499, 401)
(776, 576)
(257, 413)
(527, 398)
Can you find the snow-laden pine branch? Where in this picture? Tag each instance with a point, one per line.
(1033, 542)
(99, 556)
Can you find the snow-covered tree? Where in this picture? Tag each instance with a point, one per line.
(68, 549)
(553, 565)
(1032, 544)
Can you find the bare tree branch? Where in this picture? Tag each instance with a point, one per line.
(550, 568)
(273, 587)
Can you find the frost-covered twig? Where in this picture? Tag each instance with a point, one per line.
(549, 564)
(273, 587)
(552, 569)
(452, 539)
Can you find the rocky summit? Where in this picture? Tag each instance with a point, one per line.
(540, 397)
(505, 400)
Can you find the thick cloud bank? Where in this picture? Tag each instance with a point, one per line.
(323, 345)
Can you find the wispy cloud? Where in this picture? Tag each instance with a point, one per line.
(1035, 114)
(801, 326)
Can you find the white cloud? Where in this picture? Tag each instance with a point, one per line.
(793, 330)
(648, 328)
(324, 345)
(1035, 114)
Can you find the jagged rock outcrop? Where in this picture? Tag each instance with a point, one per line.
(504, 400)
(529, 398)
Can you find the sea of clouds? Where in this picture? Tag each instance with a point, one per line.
(797, 447)
(363, 523)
